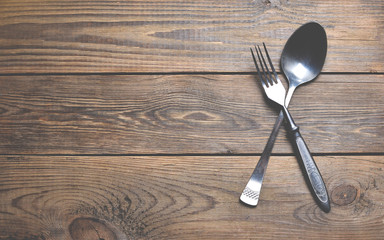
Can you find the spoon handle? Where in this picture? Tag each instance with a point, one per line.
(312, 173)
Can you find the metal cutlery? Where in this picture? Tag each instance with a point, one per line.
(276, 92)
(302, 60)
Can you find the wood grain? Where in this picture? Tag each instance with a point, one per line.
(183, 114)
(62, 197)
(177, 36)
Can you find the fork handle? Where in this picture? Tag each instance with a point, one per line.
(251, 192)
(312, 173)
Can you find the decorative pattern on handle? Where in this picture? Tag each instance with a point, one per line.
(250, 197)
(313, 172)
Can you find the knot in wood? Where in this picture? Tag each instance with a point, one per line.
(343, 195)
(90, 228)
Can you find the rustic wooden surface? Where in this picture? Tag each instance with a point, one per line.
(144, 120)
(164, 197)
(58, 36)
(183, 114)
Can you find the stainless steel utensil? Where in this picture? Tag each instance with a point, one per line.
(275, 91)
(302, 60)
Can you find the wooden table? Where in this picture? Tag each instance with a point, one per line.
(144, 120)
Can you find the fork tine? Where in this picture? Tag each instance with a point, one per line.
(258, 69)
(266, 79)
(270, 64)
(270, 79)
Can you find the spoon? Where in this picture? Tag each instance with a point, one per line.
(302, 60)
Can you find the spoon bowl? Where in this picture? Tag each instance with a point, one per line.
(303, 56)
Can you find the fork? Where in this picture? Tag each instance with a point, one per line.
(276, 92)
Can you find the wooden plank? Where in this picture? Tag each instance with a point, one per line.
(175, 36)
(60, 197)
(183, 114)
